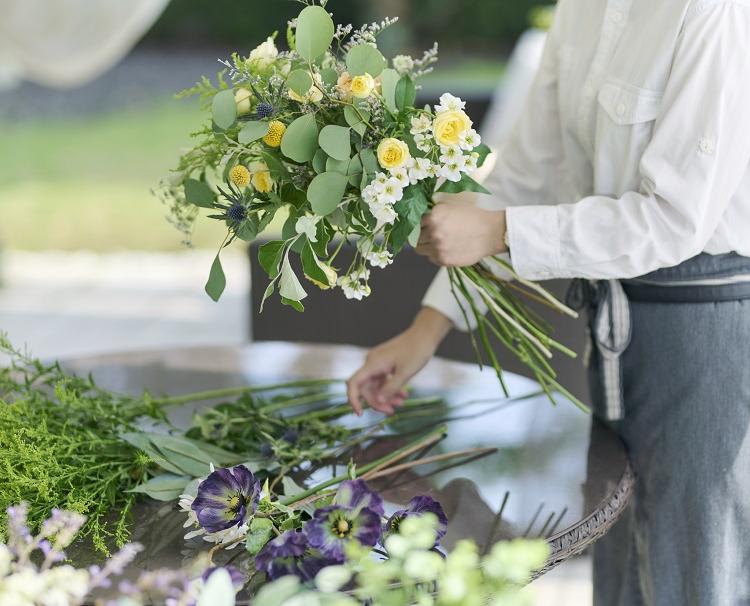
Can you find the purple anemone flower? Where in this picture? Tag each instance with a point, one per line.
(332, 527)
(226, 497)
(290, 553)
(420, 506)
(356, 495)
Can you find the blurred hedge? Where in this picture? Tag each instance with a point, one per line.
(472, 25)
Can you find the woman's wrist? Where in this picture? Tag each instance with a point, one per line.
(431, 326)
(497, 233)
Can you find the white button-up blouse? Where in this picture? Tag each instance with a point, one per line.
(633, 151)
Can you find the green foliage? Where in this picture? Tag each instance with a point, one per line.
(224, 109)
(198, 193)
(217, 281)
(252, 131)
(300, 141)
(59, 436)
(326, 191)
(335, 141)
(405, 93)
(299, 81)
(365, 59)
(465, 184)
(314, 32)
(389, 79)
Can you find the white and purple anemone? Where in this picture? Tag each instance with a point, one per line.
(226, 498)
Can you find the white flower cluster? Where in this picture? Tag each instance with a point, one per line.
(454, 159)
(355, 285)
(386, 189)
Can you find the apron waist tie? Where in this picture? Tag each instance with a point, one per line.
(608, 303)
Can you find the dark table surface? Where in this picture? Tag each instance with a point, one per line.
(542, 459)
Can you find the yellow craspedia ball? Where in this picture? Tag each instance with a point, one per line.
(276, 130)
(448, 126)
(239, 175)
(393, 153)
(362, 86)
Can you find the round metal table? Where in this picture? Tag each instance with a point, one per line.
(556, 477)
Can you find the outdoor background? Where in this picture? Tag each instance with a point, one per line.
(77, 166)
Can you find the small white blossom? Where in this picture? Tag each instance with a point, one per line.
(355, 284)
(469, 139)
(449, 103)
(401, 175)
(419, 169)
(392, 191)
(380, 178)
(423, 142)
(308, 225)
(403, 64)
(451, 153)
(471, 163)
(384, 214)
(380, 259)
(420, 124)
(451, 171)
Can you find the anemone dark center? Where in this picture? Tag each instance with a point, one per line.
(236, 501)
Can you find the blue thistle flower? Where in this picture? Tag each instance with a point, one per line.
(226, 498)
(264, 110)
(236, 213)
(290, 435)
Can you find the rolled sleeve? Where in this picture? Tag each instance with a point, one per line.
(534, 241)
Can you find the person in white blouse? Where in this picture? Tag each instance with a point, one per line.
(630, 170)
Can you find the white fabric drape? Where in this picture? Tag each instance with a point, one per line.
(65, 43)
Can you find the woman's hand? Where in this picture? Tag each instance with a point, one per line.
(390, 365)
(458, 235)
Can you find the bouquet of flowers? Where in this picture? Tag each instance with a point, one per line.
(327, 134)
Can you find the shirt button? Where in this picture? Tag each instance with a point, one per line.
(617, 17)
(621, 109)
(706, 146)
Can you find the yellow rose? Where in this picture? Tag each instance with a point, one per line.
(331, 275)
(242, 98)
(449, 126)
(393, 153)
(362, 86)
(344, 84)
(262, 181)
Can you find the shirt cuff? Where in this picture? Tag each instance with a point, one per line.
(534, 241)
(439, 296)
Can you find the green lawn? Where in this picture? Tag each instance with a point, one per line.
(85, 183)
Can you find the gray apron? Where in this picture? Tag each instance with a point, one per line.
(670, 372)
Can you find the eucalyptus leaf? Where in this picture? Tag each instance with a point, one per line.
(326, 191)
(354, 118)
(315, 31)
(300, 140)
(329, 76)
(338, 166)
(252, 131)
(319, 161)
(389, 78)
(365, 59)
(406, 93)
(354, 170)
(336, 141)
(465, 184)
(275, 165)
(300, 81)
(369, 160)
(278, 592)
(165, 487)
(289, 285)
(224, 109)
(198, 193)
(217, 281)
